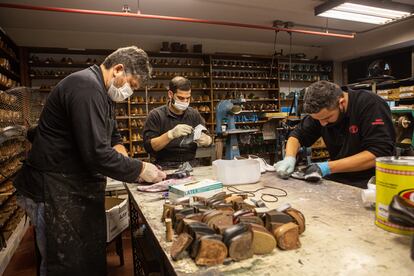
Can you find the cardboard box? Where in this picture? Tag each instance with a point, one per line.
(205, 187)
(117, 216)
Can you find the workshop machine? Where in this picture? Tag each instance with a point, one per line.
(403, 119)
(226, 111)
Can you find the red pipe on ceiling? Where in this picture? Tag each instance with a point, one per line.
(173, 18)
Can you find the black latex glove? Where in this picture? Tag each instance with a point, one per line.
(313, 173)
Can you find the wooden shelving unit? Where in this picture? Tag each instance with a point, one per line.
(214, 77)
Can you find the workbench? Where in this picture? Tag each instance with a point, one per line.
(340, 238)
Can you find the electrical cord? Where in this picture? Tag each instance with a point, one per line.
(235, 190)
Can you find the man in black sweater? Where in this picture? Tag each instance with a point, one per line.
(76, 144)
(168, 126)
(356, 127)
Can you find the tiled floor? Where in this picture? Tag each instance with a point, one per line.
(23, 262)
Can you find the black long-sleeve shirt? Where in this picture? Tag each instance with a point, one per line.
(367, 125)
(76, 133)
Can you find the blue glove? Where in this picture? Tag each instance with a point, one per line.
(285, 167)
(314, 172)
(324, 167)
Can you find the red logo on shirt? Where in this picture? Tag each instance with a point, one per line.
(378, 122)
(353, 129)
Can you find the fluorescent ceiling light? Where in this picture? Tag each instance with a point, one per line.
(372, 12)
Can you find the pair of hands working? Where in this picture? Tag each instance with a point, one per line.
(184, 130)
(313, 172)
(151, 173)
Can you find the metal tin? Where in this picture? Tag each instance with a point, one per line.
(393, 176)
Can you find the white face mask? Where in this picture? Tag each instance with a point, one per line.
(182, 106)
(121, 93)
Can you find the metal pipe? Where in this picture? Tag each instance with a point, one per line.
(173, 18)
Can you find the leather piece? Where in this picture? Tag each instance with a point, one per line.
(180, 245)
(234, 231)
(263, 241)
(243, 205)
(223, 206)
(195, 216)
(234, 198)
(298, 218)
(182, 224)
(211, 252)
(207, 217)
(196, 244)
(274, 216)
(239, 213)
(287, 236)
(179, 215)
(198, 227)
(198, 236)
(241, 246)
(215, 202)
(250, 219)
(220, 221)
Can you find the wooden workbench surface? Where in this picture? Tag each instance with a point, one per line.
(340, 236)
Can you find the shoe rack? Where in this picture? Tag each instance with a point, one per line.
(12, 146)
(213, 77)
(254, 79)
(12, 153)
(9, 63)
(297, 74)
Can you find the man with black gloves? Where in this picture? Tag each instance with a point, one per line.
(167, 127)
(75, 145)
(356, 127)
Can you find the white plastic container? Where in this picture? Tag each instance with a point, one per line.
(236, 172)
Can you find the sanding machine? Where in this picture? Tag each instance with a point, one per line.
(226, 125)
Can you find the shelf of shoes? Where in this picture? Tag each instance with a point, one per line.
(256, 80)
(9, 63)
(47, 66)
(303, 73)
(213, 77)
(12, 152)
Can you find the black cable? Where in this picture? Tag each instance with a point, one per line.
(235, 190)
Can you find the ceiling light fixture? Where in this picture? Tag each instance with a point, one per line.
(368, 11)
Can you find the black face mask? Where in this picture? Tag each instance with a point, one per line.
(341, 117)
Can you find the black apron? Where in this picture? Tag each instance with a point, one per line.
(76, 222)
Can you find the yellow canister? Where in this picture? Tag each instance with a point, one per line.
(394, 176)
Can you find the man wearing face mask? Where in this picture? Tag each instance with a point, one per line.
(167, 127)
(356, 127)
(76, 144)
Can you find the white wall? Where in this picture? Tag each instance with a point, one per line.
(66, 39)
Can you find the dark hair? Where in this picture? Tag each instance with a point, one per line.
(179, 82)
(134, 60)
(320, 95)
